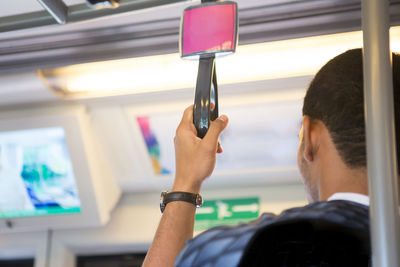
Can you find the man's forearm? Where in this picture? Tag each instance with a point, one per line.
(176, 226)
(195, 161)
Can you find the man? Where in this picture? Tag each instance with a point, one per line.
(331, 158)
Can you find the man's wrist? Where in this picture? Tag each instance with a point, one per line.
(175, 196)
(183, 185)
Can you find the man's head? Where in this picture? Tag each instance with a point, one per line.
(334, 101)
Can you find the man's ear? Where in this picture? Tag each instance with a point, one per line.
(309, 149)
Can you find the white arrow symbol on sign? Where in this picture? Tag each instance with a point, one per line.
(245, 208)
(223, 210)
(205, 210)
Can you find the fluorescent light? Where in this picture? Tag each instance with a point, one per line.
(262, 61)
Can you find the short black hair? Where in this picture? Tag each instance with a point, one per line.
(336, 97)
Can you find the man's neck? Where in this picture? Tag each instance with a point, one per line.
(343, 180)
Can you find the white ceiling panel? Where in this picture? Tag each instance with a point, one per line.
(20, 7)
(139, 16)
(27, 6)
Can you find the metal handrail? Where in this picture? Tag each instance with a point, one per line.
(380, 134)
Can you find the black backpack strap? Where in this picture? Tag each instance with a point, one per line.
(317, 233)
(332, 233)
(222, 245)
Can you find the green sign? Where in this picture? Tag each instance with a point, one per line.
(226, 212)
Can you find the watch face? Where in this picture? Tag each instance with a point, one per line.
(162, 201)
(199, 201)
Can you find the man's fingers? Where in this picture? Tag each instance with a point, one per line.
(188, 115)
(187, 120)
(219, 148)
(212, 106)
(216, 127)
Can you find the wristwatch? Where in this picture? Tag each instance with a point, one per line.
(167, 197)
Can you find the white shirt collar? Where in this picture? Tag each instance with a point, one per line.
(359, 198)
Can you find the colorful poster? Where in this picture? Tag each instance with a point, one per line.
(259, 136)
(153, 146)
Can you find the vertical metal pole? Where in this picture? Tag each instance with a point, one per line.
(380, 133)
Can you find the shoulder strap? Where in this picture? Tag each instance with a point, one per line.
(222, 245)
(334, 233)
(317, 227)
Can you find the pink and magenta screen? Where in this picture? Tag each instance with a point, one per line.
(209, 29)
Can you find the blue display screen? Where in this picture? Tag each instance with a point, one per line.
(36, 174)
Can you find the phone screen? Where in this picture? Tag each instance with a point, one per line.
(209, 29)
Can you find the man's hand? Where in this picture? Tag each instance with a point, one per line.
(195, 157)
(195, 161)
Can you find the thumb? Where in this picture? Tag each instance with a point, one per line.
(216, 127)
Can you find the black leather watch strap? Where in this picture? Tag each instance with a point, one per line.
(167, 197)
